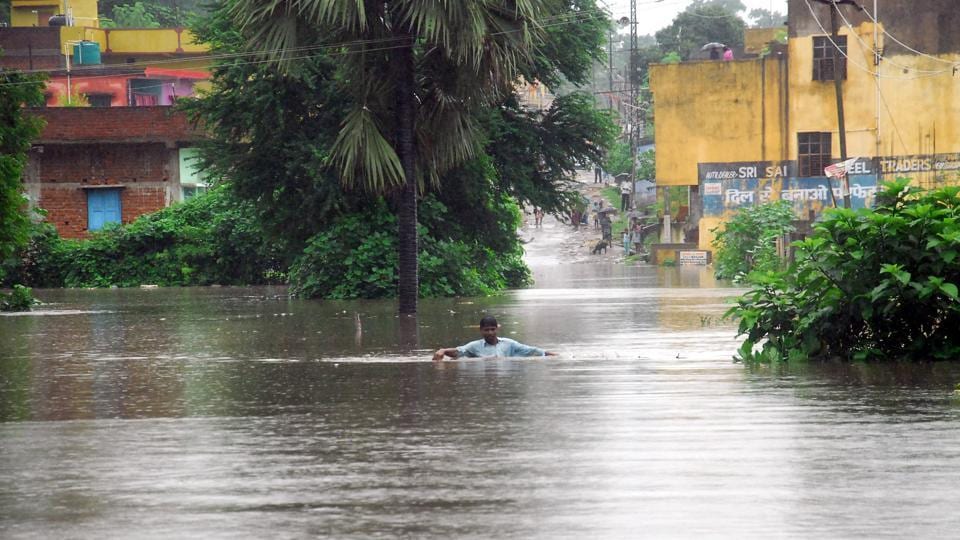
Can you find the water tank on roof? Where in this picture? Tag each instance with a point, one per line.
(86, 53)
(57, 20)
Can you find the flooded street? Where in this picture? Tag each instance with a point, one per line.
(237, 412)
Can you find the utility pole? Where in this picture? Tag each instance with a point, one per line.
(633, 105)
(610, 67)
(838, 75)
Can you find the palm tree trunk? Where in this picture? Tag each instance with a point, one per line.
(407, 216)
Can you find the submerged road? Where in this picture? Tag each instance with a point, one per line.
(240, 413)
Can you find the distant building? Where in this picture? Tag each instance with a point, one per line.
(744, 132)
(91, 167)
(113, 149)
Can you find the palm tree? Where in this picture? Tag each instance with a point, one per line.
(416, 69)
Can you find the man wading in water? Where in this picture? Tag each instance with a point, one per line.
(490, 345)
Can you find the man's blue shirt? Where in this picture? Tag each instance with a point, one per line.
(503, 348)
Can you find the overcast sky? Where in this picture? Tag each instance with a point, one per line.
(652, 16)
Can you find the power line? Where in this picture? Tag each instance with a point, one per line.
(580, 16)
(878, 54)
(861, 66)
(577, 16)
(904, 45)
(876, 74)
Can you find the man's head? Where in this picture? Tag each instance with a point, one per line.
(488, 327)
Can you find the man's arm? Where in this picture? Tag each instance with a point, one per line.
(452, 353)
(519, 349)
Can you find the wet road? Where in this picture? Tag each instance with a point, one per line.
(226, 413)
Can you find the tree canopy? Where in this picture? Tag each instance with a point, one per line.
(276, 130)
(699, 25)
(17, 130)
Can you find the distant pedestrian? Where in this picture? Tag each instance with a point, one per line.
(727, 54)
(537, 216)
(606, 228)
(626, 241)
(597, 174)
(624, 197)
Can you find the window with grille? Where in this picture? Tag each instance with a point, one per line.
(813, 153)
(823, 68)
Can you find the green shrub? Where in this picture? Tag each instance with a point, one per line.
(747, 242)
(211, 238)
(869, 283)
(21, 299)
(356, 257)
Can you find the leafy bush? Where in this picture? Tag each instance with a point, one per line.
(747, 242)
(211, 238)
(356, 257)
(869, 283)
(21, 299)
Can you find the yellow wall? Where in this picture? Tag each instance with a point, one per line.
(751, 110)
(84, 11)
(139, 41)
(918, 110)
(714, 111)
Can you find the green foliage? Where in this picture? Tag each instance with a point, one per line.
(17, 130)
(617, 161)
(167, 13)
(356, 257)
(136, 15)
(671, 57)
(869, 283)
(699, 24)
(154, 14)
(747, 242)
(535, 154)
(21, 299)
(209, 239)
(574, 38)
(275, 133)
(77, 99)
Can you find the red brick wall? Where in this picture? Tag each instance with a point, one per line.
(137, 201)
(67, 206)
(20, 44)
(114, 124)
(64, 171)
(66, 209)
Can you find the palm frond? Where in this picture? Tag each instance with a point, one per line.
(362, 153)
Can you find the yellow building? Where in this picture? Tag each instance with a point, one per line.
(757, 129)
(38, 12)
(175, 48)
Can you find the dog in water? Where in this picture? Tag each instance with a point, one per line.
(602, 245)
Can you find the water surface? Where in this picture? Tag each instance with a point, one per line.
(238, 412)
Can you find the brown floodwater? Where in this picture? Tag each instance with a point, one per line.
(238, 412)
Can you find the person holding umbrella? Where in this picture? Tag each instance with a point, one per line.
(715, 49)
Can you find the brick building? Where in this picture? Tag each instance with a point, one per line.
(119, 151)
(94, 166)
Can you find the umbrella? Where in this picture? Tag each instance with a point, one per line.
(608, 210)
(712, 45)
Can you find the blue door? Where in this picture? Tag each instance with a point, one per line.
(103, 206)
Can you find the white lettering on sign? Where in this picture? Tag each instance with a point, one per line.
(776, 172)
(691, 256)
(737, 197)
(906, 165)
